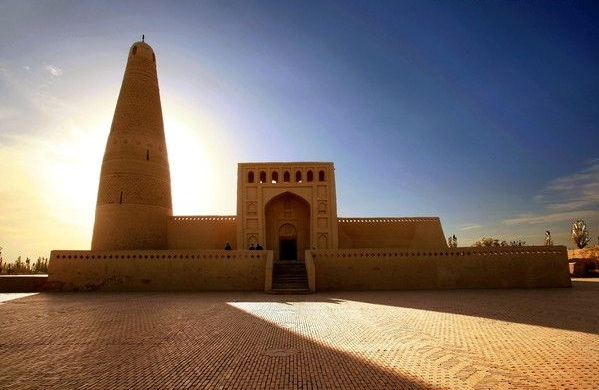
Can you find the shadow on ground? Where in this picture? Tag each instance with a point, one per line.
(160, 340)
(560, 308)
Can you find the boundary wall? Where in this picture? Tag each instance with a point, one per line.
(400, 269)
(328, 270)
(391, 233)
(158, 270)
(201, 232)
(22, 283)
(586, 253)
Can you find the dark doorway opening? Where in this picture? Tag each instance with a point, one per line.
(288, 249)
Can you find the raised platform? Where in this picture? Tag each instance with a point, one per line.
(327, 270)
(467, 267)
(158, 270)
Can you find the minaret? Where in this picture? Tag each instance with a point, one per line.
(134, 196)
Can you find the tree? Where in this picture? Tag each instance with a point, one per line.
(489, 242)
(580, 235)
(40, 266)
(494, 242)
(548, 239)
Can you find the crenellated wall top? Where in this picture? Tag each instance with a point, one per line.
(389, 220)
(453, 252)
(158, 254)
(204, 218)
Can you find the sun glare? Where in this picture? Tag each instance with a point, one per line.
(202, 169)
(189, 167)
(72, 168)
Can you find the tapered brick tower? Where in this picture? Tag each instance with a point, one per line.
(134, 195)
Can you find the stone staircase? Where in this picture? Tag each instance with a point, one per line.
(289, 277)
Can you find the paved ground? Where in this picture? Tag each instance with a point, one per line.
(466, 339)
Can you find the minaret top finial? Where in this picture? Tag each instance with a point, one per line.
(142, 37)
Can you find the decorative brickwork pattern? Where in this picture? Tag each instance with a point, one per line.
(204, 218)
(156, 255)
(135, 189)
(259, 187)
(532, 339)
(432, 220)
(135, 169)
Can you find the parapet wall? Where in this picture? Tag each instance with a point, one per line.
(22, 283)
(586, 253)
(157, 270)
(391, 233)
(201, 232)
(399, 269)
(328, 270)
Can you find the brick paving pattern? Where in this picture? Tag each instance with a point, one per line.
(462, 339)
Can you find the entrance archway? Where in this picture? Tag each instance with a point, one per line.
(287, 219)
(287, 242)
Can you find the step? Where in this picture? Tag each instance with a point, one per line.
(290, 291)
(289, 278)
(303, 283)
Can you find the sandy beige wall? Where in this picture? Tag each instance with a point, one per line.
(205, 232)
(390, 233)
(363, 269)
(167, 270)
(396, 269)
(586, 253)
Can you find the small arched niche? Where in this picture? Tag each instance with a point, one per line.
(321, 175)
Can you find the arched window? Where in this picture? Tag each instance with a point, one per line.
(320, 175)
(134, 51)
(286, 177)
(298, 176)
(262, 177)
(275, 177)
(250, 176)
(310, 176)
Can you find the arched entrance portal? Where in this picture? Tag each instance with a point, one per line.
(287, 227)
(287, 242)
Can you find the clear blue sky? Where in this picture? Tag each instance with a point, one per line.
(484, 113)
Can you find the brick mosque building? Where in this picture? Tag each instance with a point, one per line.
(287, 208)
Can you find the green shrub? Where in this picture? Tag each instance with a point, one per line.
(26, 267)
(493, 242)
